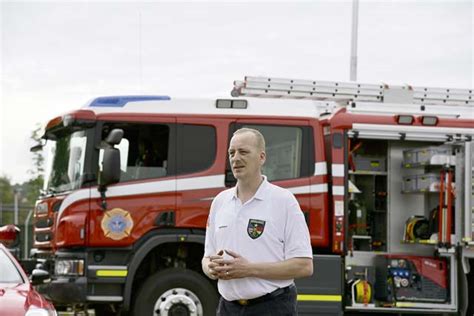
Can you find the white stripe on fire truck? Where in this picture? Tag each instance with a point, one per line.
(315, 188)
(127, 189)
(337, 170)
(320, 169)
(207, 182)
(338, 190)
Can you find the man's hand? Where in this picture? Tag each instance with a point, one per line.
(235, 268)
(209, 265)
(216, 267)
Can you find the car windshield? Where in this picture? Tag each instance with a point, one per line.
(8, 271)
(65, 162)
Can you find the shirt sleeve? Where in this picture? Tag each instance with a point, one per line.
(210, 243)
(297, 239)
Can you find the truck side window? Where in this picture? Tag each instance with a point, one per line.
(143, 150)
(196, 148)
(290, 153)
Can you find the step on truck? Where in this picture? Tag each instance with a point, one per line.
(383, 174)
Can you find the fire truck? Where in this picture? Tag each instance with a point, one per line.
(383, 175)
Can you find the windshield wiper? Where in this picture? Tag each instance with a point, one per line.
(49, 191)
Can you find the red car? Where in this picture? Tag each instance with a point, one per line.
(17, 295)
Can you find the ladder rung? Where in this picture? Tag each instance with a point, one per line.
(444, 96)
(445, 91)
(343, 91)
(335, 84)
(422, 100)
(311, 89)
(308, 95)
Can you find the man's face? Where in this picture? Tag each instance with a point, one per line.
(246, 159)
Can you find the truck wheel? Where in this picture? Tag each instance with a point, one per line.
(176, 292)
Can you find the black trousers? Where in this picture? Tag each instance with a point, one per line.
(281, 305)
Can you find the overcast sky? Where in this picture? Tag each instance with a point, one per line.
(55, 56)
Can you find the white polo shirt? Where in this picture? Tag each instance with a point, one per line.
(270, 227)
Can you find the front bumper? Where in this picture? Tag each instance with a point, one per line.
(65, 290)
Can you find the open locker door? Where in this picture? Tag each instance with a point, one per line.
(465, 190)
(467, 185)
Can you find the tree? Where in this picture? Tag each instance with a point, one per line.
(6, 200)
(6, 190)
(32, 187)
(38, 158)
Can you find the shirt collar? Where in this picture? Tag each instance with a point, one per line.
(259, 195)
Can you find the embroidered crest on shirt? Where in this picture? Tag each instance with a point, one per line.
(255, 228)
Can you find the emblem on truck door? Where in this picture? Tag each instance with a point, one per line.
(117, 224)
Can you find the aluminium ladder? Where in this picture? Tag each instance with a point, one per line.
(341, 91)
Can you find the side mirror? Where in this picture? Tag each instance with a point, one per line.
(110, 163)
(39, 146)
(39, 276)
(110, 167)
(115, 137)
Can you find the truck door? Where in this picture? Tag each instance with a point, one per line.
(145, 197)
(290, 156)
(201, 148)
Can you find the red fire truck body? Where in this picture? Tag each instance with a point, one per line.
(134, 241)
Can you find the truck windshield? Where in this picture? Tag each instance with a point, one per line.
(65, 162)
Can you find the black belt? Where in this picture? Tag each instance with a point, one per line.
(266, 297)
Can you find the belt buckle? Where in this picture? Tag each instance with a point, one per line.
(243, 302)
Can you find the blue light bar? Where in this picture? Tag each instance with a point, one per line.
(120, 101)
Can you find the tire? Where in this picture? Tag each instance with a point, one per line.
(470, 290)
(176, 292)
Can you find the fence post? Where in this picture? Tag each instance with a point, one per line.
(26, 228)
(16, 195)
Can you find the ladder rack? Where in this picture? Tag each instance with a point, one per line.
(349, 91)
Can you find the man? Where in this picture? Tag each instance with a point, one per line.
(257, 240)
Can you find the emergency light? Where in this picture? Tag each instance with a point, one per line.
(429, 120)
(121, 101)
(231, 104)
(405, 119)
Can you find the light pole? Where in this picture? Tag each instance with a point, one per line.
(355, 22)
(16, 192)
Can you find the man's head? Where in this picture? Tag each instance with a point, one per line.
(247, 153)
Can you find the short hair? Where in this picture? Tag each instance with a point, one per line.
(260, 140)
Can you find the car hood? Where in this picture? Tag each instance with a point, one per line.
(16, 299)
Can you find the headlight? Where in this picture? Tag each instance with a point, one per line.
(36, 311)
(42, 208)
(69, 267)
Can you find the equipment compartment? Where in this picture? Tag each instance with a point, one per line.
(367, 206)
(421, 183)
(402, 278)
(395, 234)
(369, 163)
(427, 156)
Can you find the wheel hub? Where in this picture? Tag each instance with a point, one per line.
(178, 302)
